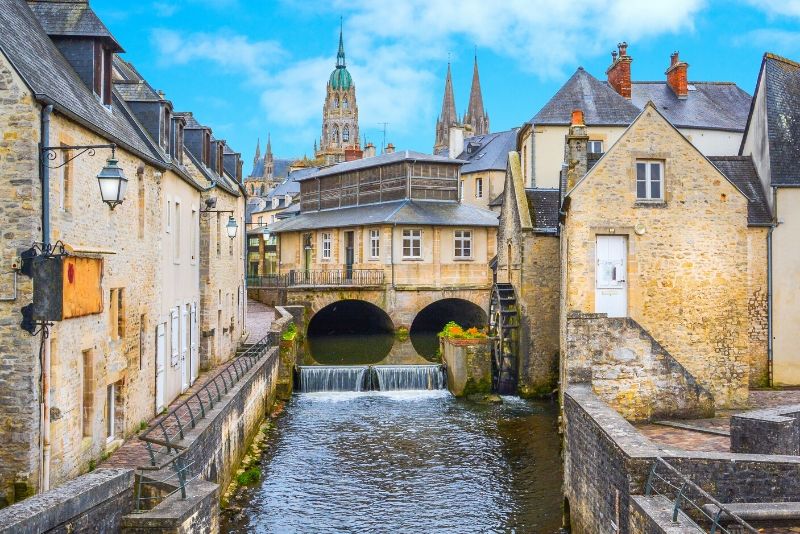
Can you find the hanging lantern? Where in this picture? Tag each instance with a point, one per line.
(113, 183)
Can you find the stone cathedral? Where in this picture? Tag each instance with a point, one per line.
(475, 120)
(339, 114)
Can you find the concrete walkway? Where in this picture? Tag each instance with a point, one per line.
(259, 320)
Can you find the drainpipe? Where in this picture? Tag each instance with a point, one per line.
(770, 373)
(44, 414)
(391, 244)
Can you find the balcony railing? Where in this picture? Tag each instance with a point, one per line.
(332, 277)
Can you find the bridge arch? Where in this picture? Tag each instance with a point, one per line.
(350, 331)
(431, 319)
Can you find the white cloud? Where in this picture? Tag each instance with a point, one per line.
(780, 41)
(789, 8)
(396, 51)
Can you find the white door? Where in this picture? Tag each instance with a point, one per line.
(611, 286)
(195, 367)
(185, 363)
(161, 364)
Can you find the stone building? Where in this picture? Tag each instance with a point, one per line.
(712, 115)
(76, 388)
(268, 171)
(475, 120)
(339, 114)
(484, 173)
(655, 232)
(770, 144)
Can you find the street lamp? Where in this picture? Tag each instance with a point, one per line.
(113, 183)
(231, 227)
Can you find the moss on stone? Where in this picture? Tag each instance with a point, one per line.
(480, 386)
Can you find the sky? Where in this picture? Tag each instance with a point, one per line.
(247, 68)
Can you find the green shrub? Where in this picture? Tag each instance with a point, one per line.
(291, 332)
(249, 477)
(453, 330)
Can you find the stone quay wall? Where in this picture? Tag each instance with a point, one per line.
(630, 370)
(607, 462)
(769, 431)
(94, 502)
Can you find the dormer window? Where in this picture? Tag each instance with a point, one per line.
(177, 140)
(102, 73)
(220, 158)
(166, 126)
(206, 148)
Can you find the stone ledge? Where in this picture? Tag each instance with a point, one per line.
(46, 511)
(173, 512)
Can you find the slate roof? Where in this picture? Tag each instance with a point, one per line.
(710, 105)
(543, 205)
(52, 80)
(74, 19)
(292, 211)
(424, 212)
(742, 172)
(782, 85)
(286, 187)
(601, 105)
(498, 201)
(488, 152)
(383, 159)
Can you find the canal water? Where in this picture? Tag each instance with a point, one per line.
(406, 462)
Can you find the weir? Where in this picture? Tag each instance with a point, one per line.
(330, 378)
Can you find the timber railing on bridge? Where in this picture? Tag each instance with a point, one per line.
(332, 277)
(163, 440)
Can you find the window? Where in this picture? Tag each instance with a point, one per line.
(88, 393)
(345, 103)
(478, 187)
(461, 190)
(261, 220)
(176, 235)
(335, 135)
(195, 244)
(326, 246)
(346, 134)
(463, 243)
(116, 313)
(110, 408)
(102, 73)
(174, 331)
(649, 180)
(335, 102)
(374, 244)
(412, 243)
(594, 147)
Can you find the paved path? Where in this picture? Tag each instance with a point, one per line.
(700, 441)
(259, 320)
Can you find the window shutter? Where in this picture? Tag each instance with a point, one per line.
(175, 337)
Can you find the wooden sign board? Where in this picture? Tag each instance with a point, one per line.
(82, 286)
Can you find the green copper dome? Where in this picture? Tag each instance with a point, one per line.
(340, 79)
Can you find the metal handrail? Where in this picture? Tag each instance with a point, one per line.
(328, 277)
(179, 478)
(164, 436)
(682, 498)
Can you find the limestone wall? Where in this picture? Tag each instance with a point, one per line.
(468, 363)
(687, 279)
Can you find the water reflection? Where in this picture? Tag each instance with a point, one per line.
(407, 462)
(368, 349)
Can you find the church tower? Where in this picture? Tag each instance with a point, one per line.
(448, 116)
(339, 113)
(475, 116)
(269, 162)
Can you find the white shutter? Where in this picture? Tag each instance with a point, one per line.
(194, 355)
(175, 337)
(161, 356)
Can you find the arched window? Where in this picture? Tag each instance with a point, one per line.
(335, 135)
(345, 103)
(262, 190)
(335, 102)
(346, 134)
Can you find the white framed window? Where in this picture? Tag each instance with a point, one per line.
(463, 243)
(326, 245)
(412, 243)
(594, 147)
(374, 244)
(478, 187)
(110, 408)
(176, 234)
(461, 190)
(649, 180)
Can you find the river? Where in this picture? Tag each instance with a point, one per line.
(406, 461)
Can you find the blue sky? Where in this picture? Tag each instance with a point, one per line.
(248, 67)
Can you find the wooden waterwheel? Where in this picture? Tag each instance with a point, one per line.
(504, 331)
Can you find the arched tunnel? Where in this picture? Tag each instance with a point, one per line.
(432, 318)
(350, 332)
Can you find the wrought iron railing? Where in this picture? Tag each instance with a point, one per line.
(163, 439)
(331, 277)
(689, 498)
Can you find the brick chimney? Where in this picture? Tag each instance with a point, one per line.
(369, 150)
(352, 154)
(575, 147)
(619, 73)
(677, 76)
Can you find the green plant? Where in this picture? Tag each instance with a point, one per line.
(142, 424)
(453, 330)
(290, 333)
(401, 334)
(92, 464)
(249, 476)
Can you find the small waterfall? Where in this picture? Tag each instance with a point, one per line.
(408, 377)
(319, 378)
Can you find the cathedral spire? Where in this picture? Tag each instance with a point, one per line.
(476, 116)
(269, 144)
(340, 64)
(448, 116)
(258, 152)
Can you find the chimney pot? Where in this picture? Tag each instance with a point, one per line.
(623, 48)
(613, 56)
(577, 117)
(673, 58)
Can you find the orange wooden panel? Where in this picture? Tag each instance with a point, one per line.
(83, 289)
